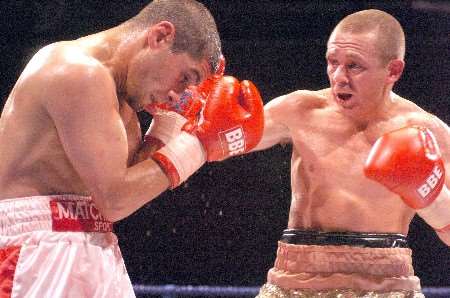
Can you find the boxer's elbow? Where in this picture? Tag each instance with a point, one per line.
(111, 204)
(114, 215)
(111, 209)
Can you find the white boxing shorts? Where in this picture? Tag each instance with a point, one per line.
(59, 246)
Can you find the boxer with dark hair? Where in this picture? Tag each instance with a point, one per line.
(72, 157)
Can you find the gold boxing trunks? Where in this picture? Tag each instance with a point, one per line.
(319, 264)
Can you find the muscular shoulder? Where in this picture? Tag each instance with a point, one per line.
(62, 77)
(64, 69)
(415, 115)
(75, 64)
(411, 114)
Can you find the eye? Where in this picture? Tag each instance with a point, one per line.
(184, 79)
(353, 66)
(333, 63)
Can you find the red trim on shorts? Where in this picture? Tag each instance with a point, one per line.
(8, 262)
(77, 216)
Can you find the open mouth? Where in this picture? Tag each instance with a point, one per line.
(344, 96)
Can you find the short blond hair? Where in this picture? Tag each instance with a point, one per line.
(389, 32)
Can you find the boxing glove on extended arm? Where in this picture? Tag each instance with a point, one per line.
(231, 123)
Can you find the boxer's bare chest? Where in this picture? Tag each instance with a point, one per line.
(329, 152)
(332, 142)
(35, 160)
(330, 156)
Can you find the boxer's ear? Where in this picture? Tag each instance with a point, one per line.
(395, 70)
(161, 34)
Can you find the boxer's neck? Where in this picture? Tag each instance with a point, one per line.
(114, 48)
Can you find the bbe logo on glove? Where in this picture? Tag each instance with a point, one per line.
(431, 182)
(432, 152)
(233, 141)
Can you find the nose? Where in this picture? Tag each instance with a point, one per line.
(339, 76)
(173, 97)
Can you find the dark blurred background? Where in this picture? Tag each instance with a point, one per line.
(222, 226)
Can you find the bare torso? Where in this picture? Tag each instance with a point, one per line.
(329, 189)
(34, 161)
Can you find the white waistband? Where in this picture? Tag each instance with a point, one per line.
(22, 215)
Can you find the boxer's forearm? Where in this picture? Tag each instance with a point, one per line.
(437, 215)
(274, 132)
(269, 140)
(444, 234)
(139, 185)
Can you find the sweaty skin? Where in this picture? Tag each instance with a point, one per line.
(69, 125)
(331, 135)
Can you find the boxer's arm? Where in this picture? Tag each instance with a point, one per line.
(83, 105)
(275, 130)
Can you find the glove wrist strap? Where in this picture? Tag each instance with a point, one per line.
(166, 126)
(181, 157)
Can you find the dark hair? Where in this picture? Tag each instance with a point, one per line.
(195, 29)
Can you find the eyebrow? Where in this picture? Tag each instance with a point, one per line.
(351, 56)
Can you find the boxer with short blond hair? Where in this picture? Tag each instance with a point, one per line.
(72, 157)
(364, 161)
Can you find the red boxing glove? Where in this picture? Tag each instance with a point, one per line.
(232, 123)
(207, 85)
(408, 162)
(233, 119)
